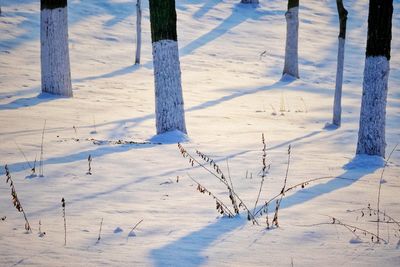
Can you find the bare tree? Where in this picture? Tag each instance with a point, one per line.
(170, 113)
(292, 35)
(337, 104)
(371, 135)
(56, 74)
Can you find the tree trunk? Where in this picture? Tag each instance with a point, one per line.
(249, 1)
(371, 135)
(337, 104)
(170, 113)
(292, 35)
(138, 30)
(56, 74)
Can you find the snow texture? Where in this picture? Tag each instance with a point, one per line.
(337, 103)
(56, 74)
(371, 134)
(170, 113)
(292, 35)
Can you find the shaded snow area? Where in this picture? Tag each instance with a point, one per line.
(231, 57)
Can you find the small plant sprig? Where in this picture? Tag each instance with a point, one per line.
(33, 168)
(41, 152)
(379, 193)
(303, 184)
(278, 202)
(220, 176)
(65, 221)
(101, 225)
(220, 206)
(40, 233)
(264, 171)
(131, 233)
(354, 229)
(219, 172)
(89, 172)
(15, 199)
(3, 218)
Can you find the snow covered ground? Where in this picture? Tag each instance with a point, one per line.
(232, 95)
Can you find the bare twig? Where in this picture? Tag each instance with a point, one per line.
(221, 178)
(89, 172)
(302, 185)
(65, 221)
(264, 171)
(379, 191)
(134, 227)
(221, 207)
(278, 202)
(101, 225)
(41, 152)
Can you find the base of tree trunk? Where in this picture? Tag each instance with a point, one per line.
(371, 135)
(56, 74)
(170, 113)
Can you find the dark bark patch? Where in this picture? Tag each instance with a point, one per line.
(379, 28)
(163, 20)
(52, 4)
(292, 3)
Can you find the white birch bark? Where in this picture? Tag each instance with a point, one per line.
(138, 30)
(168, 89)
(371, 135)
(292, 35)
(56, 75)
(337, 103)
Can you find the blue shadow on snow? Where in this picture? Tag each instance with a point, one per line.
(188, 249)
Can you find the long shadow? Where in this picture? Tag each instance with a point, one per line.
(188, 249)
(29, 101)
(240, 13)
(205, 8)
(98, 152)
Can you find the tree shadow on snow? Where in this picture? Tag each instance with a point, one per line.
(29, 101)
(189, 249)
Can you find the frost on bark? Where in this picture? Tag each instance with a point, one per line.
(170, 113)
(292, 35)
(371, 134)
(138, 31)
(55, 66)
(249, 1)
(337, 104)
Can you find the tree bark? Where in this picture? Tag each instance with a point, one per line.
(292, 35)
(167, 73)
(249, 2)
(138, 31)
(337, 104)
(371, 134)
(55, 66)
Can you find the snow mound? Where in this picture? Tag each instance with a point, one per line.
(365, 162)
(171, 137)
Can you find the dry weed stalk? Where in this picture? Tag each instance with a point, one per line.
(220, 206)
(302, 185)
(131, 233)
(41, 152)
(65, 221)
(101, 226)
(15, 199)
(264, 171)
(278, 202)
(379, 193)
(89, 172)
(221, 177)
